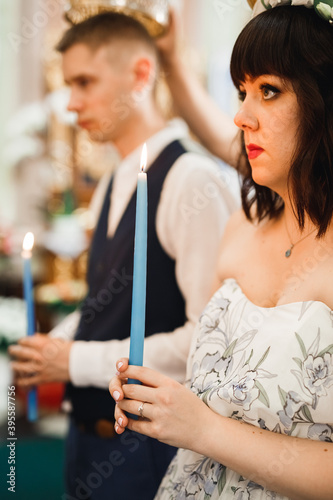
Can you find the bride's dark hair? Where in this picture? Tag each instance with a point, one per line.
(295, 44)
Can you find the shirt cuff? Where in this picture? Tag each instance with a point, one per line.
(94, 363)
(67, 328)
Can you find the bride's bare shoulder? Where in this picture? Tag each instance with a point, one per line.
(237, 222)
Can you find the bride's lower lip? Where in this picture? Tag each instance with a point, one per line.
(254, 153)
(83, 124)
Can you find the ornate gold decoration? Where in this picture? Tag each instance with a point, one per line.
(153, 14)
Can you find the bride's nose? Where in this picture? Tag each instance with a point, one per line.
(246, 118)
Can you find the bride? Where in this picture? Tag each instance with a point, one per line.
(255, 420)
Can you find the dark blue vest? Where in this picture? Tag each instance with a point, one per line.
(106, 311)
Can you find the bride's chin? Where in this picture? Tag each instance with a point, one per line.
(260, 177)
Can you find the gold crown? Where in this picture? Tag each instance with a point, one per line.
(153, 14)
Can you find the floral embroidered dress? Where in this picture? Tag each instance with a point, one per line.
(271, 368)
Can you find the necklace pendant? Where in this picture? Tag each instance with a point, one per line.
(288, 252)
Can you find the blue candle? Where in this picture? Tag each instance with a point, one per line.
(29, 300)
(138, 318)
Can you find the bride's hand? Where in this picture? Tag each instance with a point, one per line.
(170, 412)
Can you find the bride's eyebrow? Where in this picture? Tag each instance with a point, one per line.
(276, 80)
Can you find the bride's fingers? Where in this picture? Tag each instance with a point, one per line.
(122, 364)
(140, 392)
(121, 420)
(147, 376)
(133, 407)
(116, 388)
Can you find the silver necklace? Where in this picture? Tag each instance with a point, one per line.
(292, 245)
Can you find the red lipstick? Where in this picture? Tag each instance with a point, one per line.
(83, 124)
(254, 151)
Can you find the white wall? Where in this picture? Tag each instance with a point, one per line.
(212, 27)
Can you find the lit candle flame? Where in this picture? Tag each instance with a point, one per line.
(28, 242)
(143, 162)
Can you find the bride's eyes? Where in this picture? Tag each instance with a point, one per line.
(268, 91)
(241, 95)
